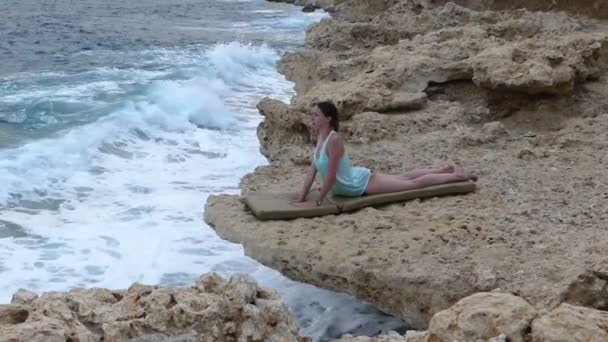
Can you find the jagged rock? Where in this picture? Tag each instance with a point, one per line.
(326, 35)
(212, 310)
(328, 5)
(23, 297)
(571, 323)
(12, 314)
(481, 317)
(594, 8)
(369, 127)
(399, 101)
(390, 337)
(515, 95)
(498, 317)
(589, 289)
(489, 132)
(295, 132)
(517, 51)
(310, 8)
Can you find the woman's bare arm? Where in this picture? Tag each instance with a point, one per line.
(335, 151)
(310, 178)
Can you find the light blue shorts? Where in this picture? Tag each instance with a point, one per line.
(355, 185)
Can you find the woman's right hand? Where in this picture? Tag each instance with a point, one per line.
(306, 204)
(302, 199)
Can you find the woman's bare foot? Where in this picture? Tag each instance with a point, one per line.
(447, 169)
(459, 170)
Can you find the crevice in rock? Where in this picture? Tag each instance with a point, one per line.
(172, 301)
(11, 314)
(590, 289)
(118, 296)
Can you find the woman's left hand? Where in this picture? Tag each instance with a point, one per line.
(306, 204)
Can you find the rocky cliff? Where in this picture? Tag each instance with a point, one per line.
(515, 94)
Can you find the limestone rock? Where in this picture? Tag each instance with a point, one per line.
(372, 66)
(390, 337)
(515, 94)
(483, 316)
(295, 130)
(400, 101)
(328, 5)
(571, 323)
(589, 289)
(489, 132)
(497, 317)
(23, 297)
(212, 310)
(326, 35)
(12, 314)
(369, 127)
(594, 8)
(418, 258)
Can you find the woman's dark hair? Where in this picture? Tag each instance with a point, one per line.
(330, 111)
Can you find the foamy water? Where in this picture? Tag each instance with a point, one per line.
(108, 157)
(119, 199)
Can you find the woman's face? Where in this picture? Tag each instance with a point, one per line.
(319, 120)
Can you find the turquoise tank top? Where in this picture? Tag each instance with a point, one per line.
(351, 181)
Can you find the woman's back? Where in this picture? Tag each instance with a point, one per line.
(350, 180)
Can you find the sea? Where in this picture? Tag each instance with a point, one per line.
(117, 120)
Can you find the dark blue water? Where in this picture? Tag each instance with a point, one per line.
(117, 120)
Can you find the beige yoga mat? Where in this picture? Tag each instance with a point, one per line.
(354, 203)
(278, 206)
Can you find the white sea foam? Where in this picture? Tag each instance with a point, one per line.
(119, 200)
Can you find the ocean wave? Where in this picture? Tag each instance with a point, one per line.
(225, 73)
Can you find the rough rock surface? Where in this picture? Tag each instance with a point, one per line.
(572, 324)
(515, 95)
(213, 309)
(483, 316)
(500, 317)
(411, 336)
(592, 8)
(328, 5)
(392, 62)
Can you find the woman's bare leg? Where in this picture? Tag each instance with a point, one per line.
(382, 184)
(421, 172)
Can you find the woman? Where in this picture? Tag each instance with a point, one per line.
(343, 179)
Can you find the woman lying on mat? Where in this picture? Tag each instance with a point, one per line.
(343, 179)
